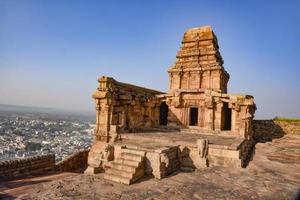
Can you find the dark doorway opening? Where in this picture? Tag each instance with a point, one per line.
(163, 114)
(193, 116)
(227, 116)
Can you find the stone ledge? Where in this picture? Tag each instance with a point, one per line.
(26, 166)
(74, 162)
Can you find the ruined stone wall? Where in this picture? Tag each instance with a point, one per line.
(162, 162)
(26, 166)
(123, 107)
(266, 130)
(241, 107)
(217, 155)
(74, 162)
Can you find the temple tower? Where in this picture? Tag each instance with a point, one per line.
(197, 96)
(199, 64)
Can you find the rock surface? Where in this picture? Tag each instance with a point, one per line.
(273, 174)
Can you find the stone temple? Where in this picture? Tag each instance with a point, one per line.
(196, 124)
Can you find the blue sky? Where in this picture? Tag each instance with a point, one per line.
(52, 52)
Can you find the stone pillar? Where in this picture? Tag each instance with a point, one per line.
(185, 113)
(212, 117)
(209, 80)
(98, 115)
(201, 116)
(218, 117)
(209, 119)
(200, 79)
(243, 121)
(235, 118)
(103, 126)
(171, 81)
(180, 74)
(233, 121)
(189, 80)
(209, 113)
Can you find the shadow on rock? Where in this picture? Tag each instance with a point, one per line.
(266, 131)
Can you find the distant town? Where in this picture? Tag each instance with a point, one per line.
(27, 133)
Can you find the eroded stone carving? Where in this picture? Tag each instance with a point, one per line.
(99, 155)
(108, 153)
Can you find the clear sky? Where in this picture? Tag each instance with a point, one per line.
(53, 51)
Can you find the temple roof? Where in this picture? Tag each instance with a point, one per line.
(199, 33)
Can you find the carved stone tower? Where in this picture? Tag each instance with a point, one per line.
(197, 96)
(199, 64)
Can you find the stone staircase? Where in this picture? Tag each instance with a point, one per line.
(128, 167)
(193, 130)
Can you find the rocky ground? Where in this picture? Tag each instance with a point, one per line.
(272, 174)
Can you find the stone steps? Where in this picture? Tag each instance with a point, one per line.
(123, 167)
(124, 174)
(198, 130)
(130, 156)
(118, 179)
(127, 162)
(133, 151)
(128, 167)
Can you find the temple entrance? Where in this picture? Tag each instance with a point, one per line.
(227, 116)
(193, 116)
(163, 114)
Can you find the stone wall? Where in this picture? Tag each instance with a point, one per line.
(162, 162)
(266, 130)
(26, 166)
(74, 162)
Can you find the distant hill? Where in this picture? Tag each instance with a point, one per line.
(46, 112)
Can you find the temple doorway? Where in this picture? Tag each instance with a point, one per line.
(193, 116)
(227, 117)
(163, 114)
